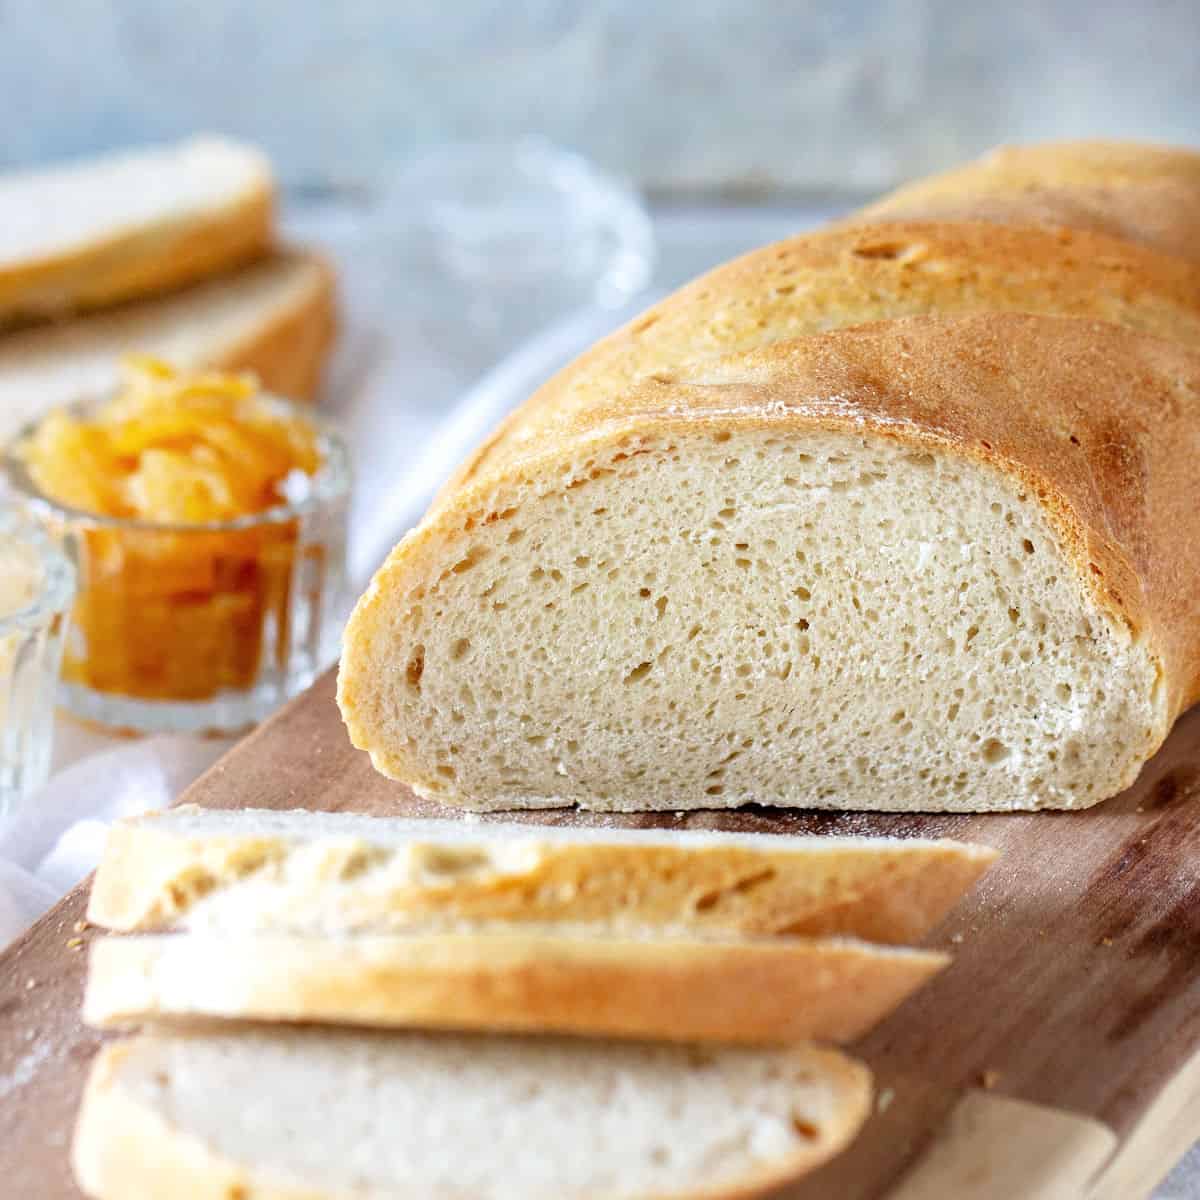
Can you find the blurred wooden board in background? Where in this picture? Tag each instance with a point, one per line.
(1075, 987)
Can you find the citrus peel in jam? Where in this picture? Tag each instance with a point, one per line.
(171, 606)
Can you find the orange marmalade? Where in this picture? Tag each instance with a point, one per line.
(182, 487)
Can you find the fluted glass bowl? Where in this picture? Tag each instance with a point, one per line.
(37, 583)
(201, 628)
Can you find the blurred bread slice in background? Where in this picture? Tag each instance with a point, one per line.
(94, 233)
(275, 317)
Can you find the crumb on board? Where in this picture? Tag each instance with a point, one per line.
(1107, 941)
(989, 1078)
(80, 926)
(74, 943)
(956, 938)
(885, 1099)
(30, 984)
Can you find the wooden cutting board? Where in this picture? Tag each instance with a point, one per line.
(1058, 1057)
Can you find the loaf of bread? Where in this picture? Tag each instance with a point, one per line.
(250, 872)
(89, 234)
(275, 317)
(896, 516)
(552, 979)
(320, 1115)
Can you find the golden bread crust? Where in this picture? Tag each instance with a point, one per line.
(773, 990)
(1140, 193)
(854, 274)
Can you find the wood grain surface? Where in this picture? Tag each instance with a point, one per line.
(1076, 982)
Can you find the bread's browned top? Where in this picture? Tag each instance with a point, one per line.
(1073, 164)
(1144, 194)
(851, 275)
(1099, 423)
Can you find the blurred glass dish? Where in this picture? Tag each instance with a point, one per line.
(512, 236)
(36, 585)
(184, 623)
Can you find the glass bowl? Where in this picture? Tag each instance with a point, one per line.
(201, 628)
(506, 237)
(37, 583)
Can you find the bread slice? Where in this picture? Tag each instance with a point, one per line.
(275, 318)
(260, 872)
(321, 1115)
(678, 989)
(91, 233)
(930, 563)
(1143, 193)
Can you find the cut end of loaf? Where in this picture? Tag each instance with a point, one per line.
(711, 618)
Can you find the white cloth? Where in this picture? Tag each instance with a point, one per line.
(54, 841)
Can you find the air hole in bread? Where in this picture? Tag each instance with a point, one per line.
(994, 751)
(886, 251)
(415, 668)
(471, 559)
(360, 860)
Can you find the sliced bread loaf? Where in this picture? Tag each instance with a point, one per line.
(1141, 193)
(724, 557)
(275, 317)
(677, 989)
(91, 233)
(931, 563)
(319, 1115)
(253, 871)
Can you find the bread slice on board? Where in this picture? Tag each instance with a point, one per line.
(252, 871)
(1141, 193)
(321, 1115)
(678, 989)
(89, 234)
(275, 317)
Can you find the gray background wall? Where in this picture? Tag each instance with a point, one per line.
(708, 96)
